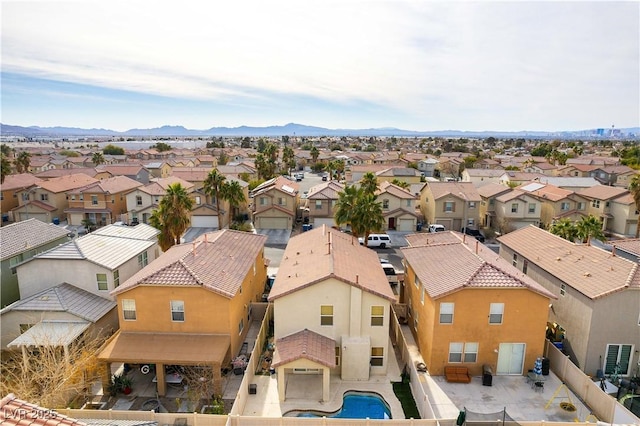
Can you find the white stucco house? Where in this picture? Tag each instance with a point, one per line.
(332, 306)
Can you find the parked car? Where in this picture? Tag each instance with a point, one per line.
(437, 228)
(475, 233)
(324, 177)
(390, 272)
(377, 240)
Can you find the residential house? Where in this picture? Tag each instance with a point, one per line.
(516, 209)
(238, 170)
(100, 203)
(556, 203)
(158, 169)
(599, 204)
(135, 171)
(514, 178)
(542, 168)
(320, 203)
(355, 173)
(402, 174)
(10, 191)
(61, 312)
(451, 204)
(428, 167)
(598, 297)
(206, 214)
(488, 193)
(275, 204)
(89, 171)
(575, 170)
(21, 241)
(398, 207)
(332, 307)
(481, 177)
(624, 221)
(487, 163)
(617, 175)
(47, 200)
(569, 182)
(143, 200)
(468, 307)
(191, 306)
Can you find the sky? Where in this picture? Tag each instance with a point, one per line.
(351, 64)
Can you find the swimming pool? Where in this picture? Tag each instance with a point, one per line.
(355, 405)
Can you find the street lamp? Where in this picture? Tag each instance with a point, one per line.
(464, 225)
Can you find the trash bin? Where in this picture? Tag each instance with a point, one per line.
(252, 389)
(545, 366)
(487, 375)
(56, 221)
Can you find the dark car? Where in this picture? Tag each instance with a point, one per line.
(475, 233)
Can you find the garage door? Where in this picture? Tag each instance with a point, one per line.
(40, 216)
(319, 221)
(272, 223)
(204, 221)
(406, 225)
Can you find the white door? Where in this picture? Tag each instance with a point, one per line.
(204, 221)
(510, 358)
(406, 225)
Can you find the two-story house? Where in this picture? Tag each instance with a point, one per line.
(320, 203)
(101, 202)
(402, 174)
(427, 167)
(516, 209)
(598, 297)
(97, 262)
(20, 242)
(625, 216)
(191, 306)
(143, 200)
(275, 203)
(452, 204)
(332, 307)
(398, 207)
(556, 203)
(599, 199)
(135, 171)
(488, 193)
(10, 191)
(617, 175)
(468, 307)
(481, 177)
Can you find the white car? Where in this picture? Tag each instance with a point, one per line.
(437, 228)
(376, 240)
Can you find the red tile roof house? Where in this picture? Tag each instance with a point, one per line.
(10, 191)
(16, 412)
(275, 204)
(332, 307)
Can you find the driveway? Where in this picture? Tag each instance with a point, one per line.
(276, 237)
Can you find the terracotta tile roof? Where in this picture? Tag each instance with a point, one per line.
(67, 183)
(449, 263)
(443, 189)
(546, 191)
(53, 173)
(191, 174)
(511, 195)
(590, 270)
(630, 245)
(217, 261)
(324, 253)
(121, 169)
(19, 181)
(325, 191)
(496, 173)
(492, 190)
(395, 190)
(27, 234)
(619, 170)
(16, 412)
(521, 176)
(305, 344)
(398, 172)
(159, 186)
(624, 199)
(39, 204)
(113, 185)
(279, 183)
(602, 192)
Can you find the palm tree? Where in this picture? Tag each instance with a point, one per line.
(212, 184)
(172, 215)
(590, 227)
(369, 183)
(232, 192)
(97, 158)
(634, 188)
(401, 183)
(564, 228)
(367, 215)
(6, 167)
(23, 162)
(314, 154)
(345, 207)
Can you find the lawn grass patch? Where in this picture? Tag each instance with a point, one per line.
(404, 395)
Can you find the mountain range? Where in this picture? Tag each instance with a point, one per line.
(291, 129)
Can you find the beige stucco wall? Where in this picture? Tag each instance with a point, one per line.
(624, 220)
(11, 322)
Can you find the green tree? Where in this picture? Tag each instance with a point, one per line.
(232, 192)
(564, 228)
(246, 142)
(211, 186)
(369, 183)
(22, 162)
(314, 154)
(345, 206)
(589, 227)
(172, 216)
(288, 158)
(5, 167)
(634, 188)
(97, 158)
(223, 158)
(367, 215)
(161, 147)
(5, 149)
(402, 184)
(112, 150)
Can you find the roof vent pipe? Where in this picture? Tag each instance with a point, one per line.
(613, 251)
(206, 238)
(194, 248)
(477, 242)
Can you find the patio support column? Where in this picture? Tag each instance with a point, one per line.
(25, 358)
(217, 380)
(282, 378)
(160, 377)
(105, 376)
(325, 384)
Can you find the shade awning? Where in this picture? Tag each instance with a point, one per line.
(166, 348)
(305, 344)
(51, 333)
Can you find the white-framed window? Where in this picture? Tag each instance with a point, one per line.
(143, 259)
(198, 200)
(449, 206)
(471, 222)
(581, 205)
(44, 197)
(455, 352)
(177, 310)
(377, 316)
(514, 262)
(113, 199)
(241, 326)
(470, 352)
(514, 208)
(496, 312)
(563, 289)
(409, 203)
(116, 278)
(282, 201)
(385, 204)
(138, 200)
(102, 281)
(422, 291)
(446, 313)
(415, 320)
(417, 281)
(318, 204)
(326, 315)
(564, 206)
(618, 356)
(525, 266)
(596, 204)
(94, 200)
(337, 356)
(129, 309)
(532, 208)
(263, 201)
(377, 356)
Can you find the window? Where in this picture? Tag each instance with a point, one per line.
(471, 222)
(94, 200)
(607, 204)
(142, 259)
(25, 196)
(446, 313)
(113, 199)
(514, 262)
(618, 357)
(385, 204)
(337, 356)
(532, 207)
(102, 281)
(263, 201)
(525, 266)
(417, 281)
(116, 278)
(240, 289)
(241, 326)
(129, 309)
(409, 203)
(326, 315)
(596, 204)
(177, 310)
(44, 197)
(496, 312)
(282, 201)
(318, 204)
(422, 295)
(377, 316)
(455, 351)
(563, 289)
(198, 201)
(492, 201)
(564, 206)
(377, 356)
(449, 207)
(514, 208)
(470, 352)
(415, 320)
(472, 204)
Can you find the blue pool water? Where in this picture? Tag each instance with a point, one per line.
(356, 405)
